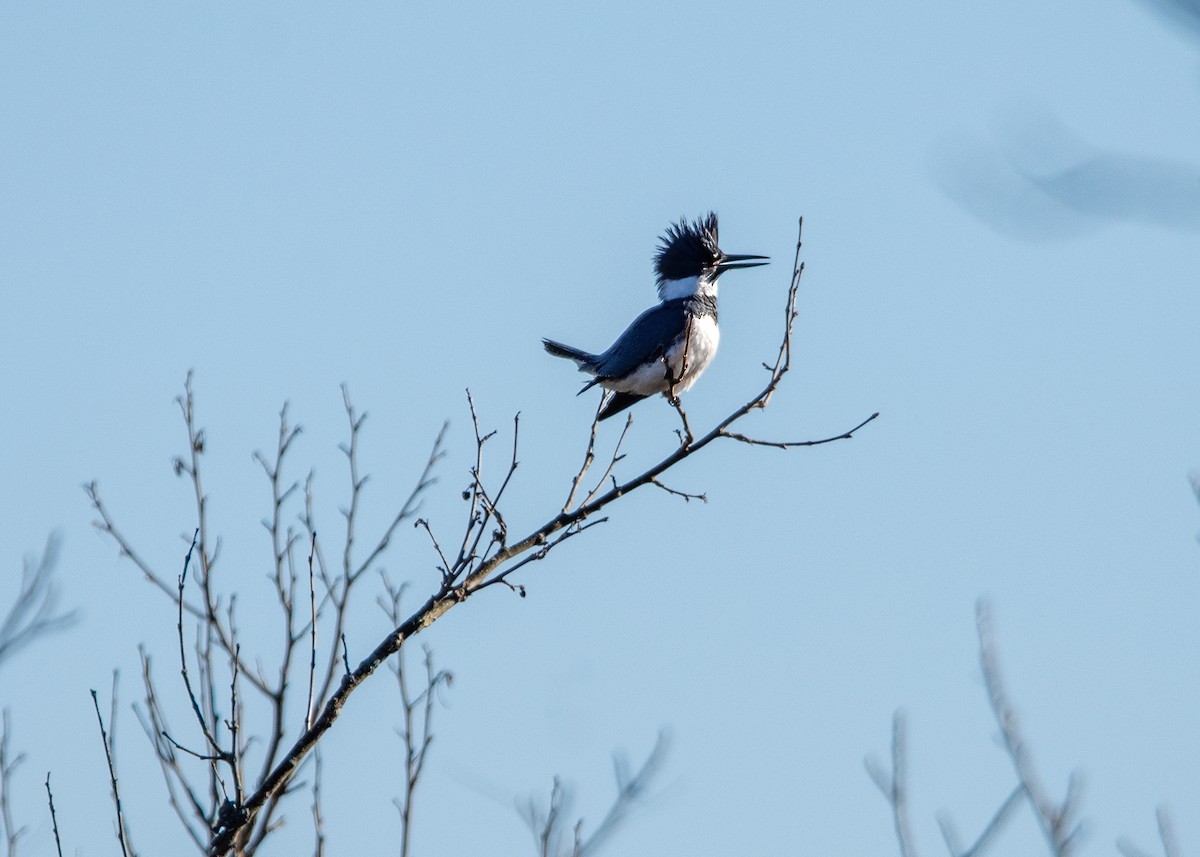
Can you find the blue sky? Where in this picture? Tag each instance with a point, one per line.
(406, 198)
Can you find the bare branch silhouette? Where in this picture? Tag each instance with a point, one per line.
(416, 710)
(894, 786)
(549, 825)
(33, 614)
(318, 817)
(1057, 820)
(218, 804)
(1166, 836)
(53, 816)
(990, 830)
(8, 765)
(479, 563)
(122, 835)
(483, 553)
(34, 611)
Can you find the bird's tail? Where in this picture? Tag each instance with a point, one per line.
(583, 359)
(619, 402)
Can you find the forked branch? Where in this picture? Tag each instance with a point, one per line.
(1057, 819)
(555, 835)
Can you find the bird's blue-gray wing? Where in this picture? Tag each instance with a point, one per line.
(646, 339)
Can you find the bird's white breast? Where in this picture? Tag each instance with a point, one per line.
(686, 362)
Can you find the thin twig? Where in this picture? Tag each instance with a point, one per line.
(549, 826)
(501, 535)
(687, 498)
(209, 738)
(589, 456)
(107, 526)
(1166, 835)
(630, 789)
(540, 554)
(444, 568)
(234, 724)
(318, 820)
(112, 774)
(53, 816)
(613, 461)
(894, 786)
(312, 664)
(154, 724)
(1057, 821)
(992, 828)
(479, 497)
(417, 729)
(791, 444)
(352, 571)
(12, 833)
(1166, 832)
(285, 580)
(204, 757)
(33, 612)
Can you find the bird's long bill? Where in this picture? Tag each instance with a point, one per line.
(734, 260)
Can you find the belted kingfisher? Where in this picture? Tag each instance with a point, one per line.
(668, 346)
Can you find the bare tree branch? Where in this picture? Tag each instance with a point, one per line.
(34, 611)
(549, 825)
(8, 765)
(209, 738)
(613, 461)
(589, 455)
(53, 817)
(352, 570)
(208, 611)
(33, 614)
(989, 832)
(631, 787)
(1166, 835)
(685, 496)
(894, 785)
(417, 712)
(126, 850)
(312, 604)
(203, 816)
(484, 554)
(1057, 820)
(179, 791)
(318, 818)
(472, 569)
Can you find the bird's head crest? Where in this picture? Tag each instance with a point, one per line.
(687, 249)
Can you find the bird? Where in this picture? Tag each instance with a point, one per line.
(669, 346)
